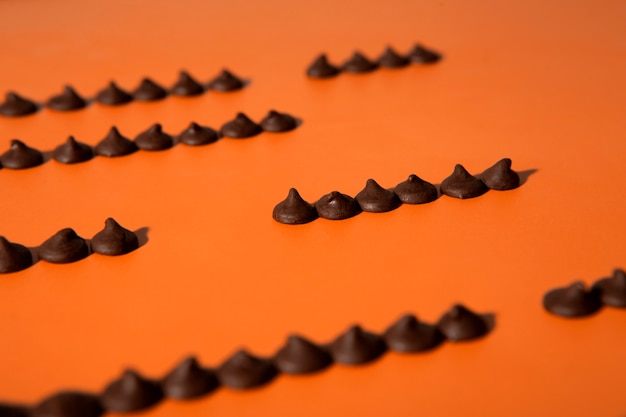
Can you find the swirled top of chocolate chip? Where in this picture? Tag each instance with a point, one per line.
(114, 240)
(500, 176)
(421, 55)
(186, 86)
(572, 301)
(243, 370)
(67, 100)
(337, 206)
(391, 59)
(241, 127)
(357, 346)
(189, 380)
(10, 410)
(461, 184)
(460, 324)
(69, 404)
(15, 105)
(72, 152)
(300, 356)
(64, 247)
(226, 81)
(112, 95)
(410, 335)
(148, 90)
(278, 122)
(321, 68)
(154, 139)
(375, 199)
(114, 144)
(13, 256)
(131, 392)
(21, 156)
(612, 290)
(416, 191)
(359, 63)
(196, 135)
(294, 210)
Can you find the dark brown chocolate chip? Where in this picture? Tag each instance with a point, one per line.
(410, 335)
(189, 380)
(612, 290)
(15, 106)
(196, 135)
(278, 122)
(461, 324)
(321, 68)
(66, 101)
(69, 404)
(13, 256)
(112, 95)
(114, 240)
(241, 127)
(148, 90)
(500, 176)
(359, 63)
(114, 144)
(416, 191)
(337, 206)
(20, 156)
(244, 370)
(154, 139)
(421, 55)
(357, 346)
(572, 301)
(294, 210)
(187, 86)
(391, 59)
(131, 392)
(72, 152)
(64, 247)
(226, 81)
(300, 356)
(461, 184)
(375, 199)
(11, 410)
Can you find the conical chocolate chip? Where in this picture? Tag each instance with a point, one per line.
(114, 240)
(500, 176)
(375, 199)
(337, 206)
(359, 63)
(112, 95)
(572, 301)
(391, 59)
(189, 380)
(612, 290)
(278, 122)
(72, 152)
(241, 127)
(300, 356)
(15, 105)
(226, 81)
(13, 256)
(69, 404)
(148, 90)
(421, 55)
(196, 135)
(131, 392)
(243, 371)
(187, 86)
(114, 144)
(10, 410)
(416, 191)
(410, 335)
(294, 210)
(64, 247)
(67, 100)
(20, 156)
(321, 68)
(461, 184)
(461, 324)
(154, 139)
(357, 346)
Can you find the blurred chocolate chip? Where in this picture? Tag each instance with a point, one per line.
(416, 191)
(321, 68)
(376, 199)
(461, 184)
(460, 324)
(189, 380)
(359, 63)
(114, 240)
(196, 135)
(410, 335)
(64, 247)
(69, 404)
(300, 356)
(21, 156)
(15, 106)
(294, 210)
(12, 410)
(72, 152)
(187, 86)
(278, 122)
(66, 101)
(612, 290)
(357, 346)
(572, 301)
(243, 371)
(154, 139)
(421, 55)
(391, 59)
(131, 392)
(500, 176)
(13, 256)
(148, 90)
(337, 206)
(114, 144)
(112, 95)
(226, 81)
(241, 127)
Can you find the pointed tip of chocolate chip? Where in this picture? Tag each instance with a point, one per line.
(64, 247)
(21, 156)
(500, 176)
(321, 68)
(392, 59)
(112, 95)
(241, 127)
(13, 256)
(278, 122)
(114, 240)
(422, 55)
(16, 106)
(461, 184)
(376, 199)
(131, 392)
(359, 63)
(68, 100)
(187, 86)
(189, 380)
(294, 210)
(572, 301)
(114, 145)
(226, 81)
(72, 152)
(301, 356)
(148, 90)
(337, 206)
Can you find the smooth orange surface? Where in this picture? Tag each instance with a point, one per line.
(539, 82)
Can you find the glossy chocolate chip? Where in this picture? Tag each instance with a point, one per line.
(391, 59)
(359, 63)
(21, 156)
(13, 256)
(154, 139)
(196, 135)
(131, 392)
(461, 184)
(72, 152)
(64, 247)
(68, 100)
(69, 404)
(148, 90)
(500, 176)
(294, 210)
(15, 105)
(376, 199)
(421, 55)
(460, 324)
(187, 86)
(410, 335)
(278, 122)
(114, 240)
(416, 191)
(572, 301)
(321, 68)
(337, 206)
(189, 380)
(241, 127)
(300, 356)
(357, 346)
(612, 290)
(226, 81)
(114, 145)
(243, 371)
(112, 95)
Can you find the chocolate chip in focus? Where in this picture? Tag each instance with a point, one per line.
(461, 184)
(241, 127)
(114, 240)
(500, 176)
(72, 152)
(196, 135)
(69, 404)
(226, 81)
(112, 95)
(154, 139)
(21, 156)
(337, 206)
(391, 59)
(300, 356)
(187, 86)
(68, 100)
(409, 335)
(64, 247)
(321, 68)
(357, 346)
(148, 90)
(114, 145)
(416, 191)
(572, 301)
(460, 324)
(189, 380)
(15, 105)
(13, 256)
(375, 199)
(243, 371)
(131, 392)
(359, 64)
(421, 55)
(276, 122)
(294, 210)
(612, 290)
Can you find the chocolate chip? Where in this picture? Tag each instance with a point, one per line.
(196, 135)
(131, 392)
(357, 346)
(244, 370)
(421, 55)
(114, 240)
(337, 206)
(10, 410)
(72, 152)
(241, 127)
(13, 256)
(416, 191)
(278, 122)
(391, 59)
(300, 356)
(64, 247)
(114, 144)
(321, 68)
(572, 301)
(187, 86)
(461, 184)
(500, 176)
(148, 90)
(69, 404)
(20, 156)
(612, 290)
(294, 210)
(112, 95)
(359, 63)
(410, 335)
(15, 105)
(66, 101)
(189, 380)
(375, 199)
(461, 324)
(154, 139)
(226, 81)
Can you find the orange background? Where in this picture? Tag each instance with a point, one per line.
(542, 83)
